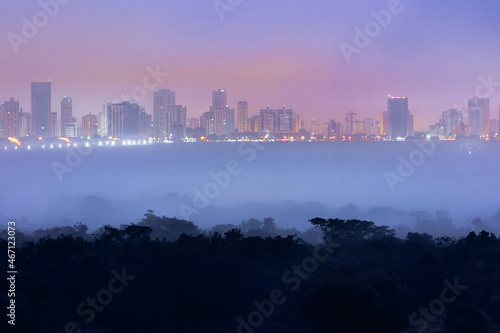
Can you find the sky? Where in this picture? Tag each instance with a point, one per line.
(265, 52)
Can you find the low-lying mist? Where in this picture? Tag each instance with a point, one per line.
(442, 188)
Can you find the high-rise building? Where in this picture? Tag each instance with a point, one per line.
(207, 121)
(223, 121)
(66, 114)
(461, 130)
(376, 127)
(297, 123)
(334, 130)
(2, 121)
(267, 120)
(497, 132)
(316, 128)
(350, 118)
(219, 99)
(242, 116)
(145, 124)
(410, 124)
(368, 127)
(131, 116)
(479, 116)
(254, 124)
(163, 109)
(494, 127)
(449, 120)
(41, 108)
(104, 120)
(358, 127)
(53, 124)
(179, 122)
(25, 124)
(11, 119)
(385, 124)
(223, 116)
(437, 129)
(398, 114)
(71, 130)
(115, 120)
(277, 120)
(90, 125)
(285, 120)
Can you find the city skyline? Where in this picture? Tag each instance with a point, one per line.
(170, 120)
(252, 110)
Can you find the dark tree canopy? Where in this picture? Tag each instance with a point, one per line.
(188, 280)
(337, 230)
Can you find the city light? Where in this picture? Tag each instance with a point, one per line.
(15, 140)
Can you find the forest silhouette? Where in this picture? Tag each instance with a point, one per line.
(167, 275)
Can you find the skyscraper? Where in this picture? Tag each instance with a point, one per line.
(2, 121)
(145, 124)
(179, 122)
(90, 125)
(11, 118)
(131, 117)
(66, 114)
(104, 120)
(479, 116)
(277, 120)
(25, 124)
(223, 121)
(285, 120)
(358, 128)
(207, 121)
(242, 116)
(494, 127)
(368, 128)
(219, 99)
(410, 124)
(334, 130)
(41, 108)
(254, 124)
(53, 124)
(115, 121)
(316, 128)
(385, 124)
(297, 123)
(163, 108)
(398, 115)
(223, 116)
(267, 120)
(450, 119)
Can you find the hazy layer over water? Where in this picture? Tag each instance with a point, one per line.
(291, 182)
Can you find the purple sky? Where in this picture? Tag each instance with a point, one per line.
(266, 52)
